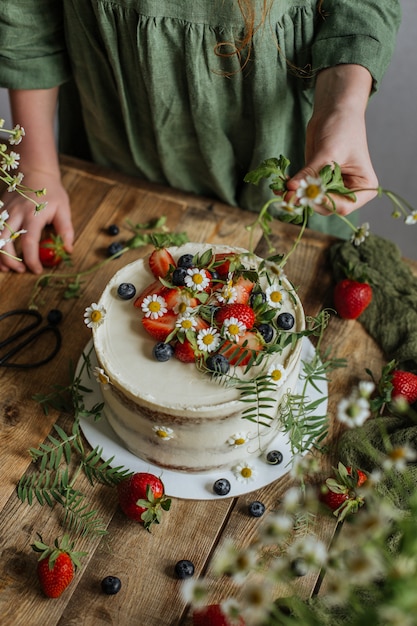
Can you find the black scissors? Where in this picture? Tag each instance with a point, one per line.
(35, 320)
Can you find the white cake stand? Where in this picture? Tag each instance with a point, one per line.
(192, 486)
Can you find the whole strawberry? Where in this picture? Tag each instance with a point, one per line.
(405, 385)
(56, 565)
(142, 498)
(340, 494)
(212, 615)
(241, 312)
(351, 298)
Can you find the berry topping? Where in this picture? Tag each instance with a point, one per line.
(241, 312)
(184, 351)
(240, 352)
(184, 569)
(160, 262)
(185, 261)
(178, 276)
(54, 317)
(257, 298)
(256, 509)
(162, 351)
(267, 332)
(351, 298)
(159, 328)
(221, 487)
(274, 457)
(126, 291)
(285, 321)
(113, 230)
(299, 567)
(218, 364)
(110, 585)
(115, 248)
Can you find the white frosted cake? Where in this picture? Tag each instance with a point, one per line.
(211, 398)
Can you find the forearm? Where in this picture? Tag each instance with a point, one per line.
(35, 110)
(342, 86)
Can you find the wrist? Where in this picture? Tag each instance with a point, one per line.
(345, 87)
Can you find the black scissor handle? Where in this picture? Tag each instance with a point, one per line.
(25, 329)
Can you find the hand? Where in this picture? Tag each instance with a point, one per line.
(22, 216)
(337, 133)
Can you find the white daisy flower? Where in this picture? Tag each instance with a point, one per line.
(185, 322)
(233, 561)
(239, 439)
(15, 182)
(208, 339)
(194, 591)
(257, 602)
(232, 610)
(233, 328)
(101, 377)
(278, 374)
(163, 432)
(275, 295)
(398, 458)
(395, 616)
(4, 216)
(154, 306)
(360, 234)
(274, 269)
(18, 134)
(276, 528)
(412, 218)
(366, 388)
(245, 472)
(3, 242)
(309, 548)
(311, 192)
(10, 161)
(227, 294)
(290, 209)
(197, 279)
(183, 305)
(94, 315)
(353, 411)
(363, 565)
(17, 234)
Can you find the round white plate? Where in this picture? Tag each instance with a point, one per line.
(193, 486)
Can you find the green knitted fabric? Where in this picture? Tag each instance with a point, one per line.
(391, 319)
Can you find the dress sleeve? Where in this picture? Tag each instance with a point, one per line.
(362, 32)
(32, 44)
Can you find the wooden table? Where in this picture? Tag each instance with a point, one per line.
(193, 530)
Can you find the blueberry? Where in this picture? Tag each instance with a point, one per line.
(274, 457)
(162, 351)
(54, 317)
(221, 487)
(285, 321)
(186, 261)
(184, 569)
(111, 585)
(266, 331)
(257, 297)
(126, 291)
(299, 567)
(218, 364)
(113, 230)
(215, 275)
(256, 509)
(178, 276)
(114, 248)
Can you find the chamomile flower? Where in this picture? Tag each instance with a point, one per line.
(244, 472)
(17, 135)
(233, 328)
(311, 192)
(185, 322)
(94, 315)
(208, 339)
(239, 439)
(15, 182)
(360, 234)
(10, 161)
(232, 610)
(154, 306)
(227, 294)
(163, 432)
(412, 218)
(197, 279)
(101, 377)
(398, 458)
(353, 411)
(275, 295)
(276, 528)
(310, 549)
(257, 602)
(235, 562)
(288, 208)
(194, 591)
(4, 242)
(277, 374)
(183, 304)
(366, 388)
(4, 216)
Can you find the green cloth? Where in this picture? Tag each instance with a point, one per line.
(391, 319)
(155, 100)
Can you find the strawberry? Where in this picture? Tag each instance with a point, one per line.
(243, 350)
(56, 565)
(184, 351)
(160, 327)
(339, 493)
(351, 298)
(142, 498)
(160, 262)
(222, 263)
(243, 288)
(404, 384)
(242, 312)
(52, 251)
(155, 287)
(212, 615)
(174, 297)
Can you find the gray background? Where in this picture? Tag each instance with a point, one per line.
(392, 135)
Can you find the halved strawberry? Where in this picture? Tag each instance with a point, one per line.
(160, 327)
(175, 296)
(160, 261)
(241, 312)
(241, 351)
(212, 615)
(243, 288)
(222, 263)
(155, 287)
(184, 352)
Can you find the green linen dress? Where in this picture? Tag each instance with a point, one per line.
(158, 102)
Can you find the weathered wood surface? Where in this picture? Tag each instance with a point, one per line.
(193, 529)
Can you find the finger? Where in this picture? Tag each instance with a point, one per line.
(30, 251)
(63, 227)
(10, 261)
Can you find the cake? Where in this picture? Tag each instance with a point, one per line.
(211, 398)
